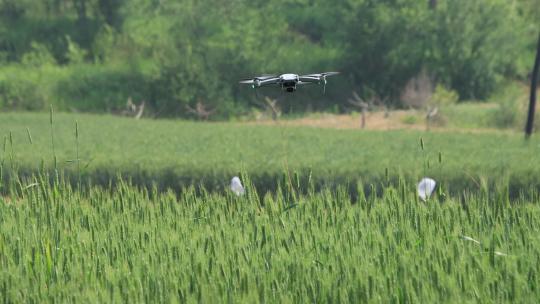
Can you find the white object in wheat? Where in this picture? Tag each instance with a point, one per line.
(236, 186)
(425, 188)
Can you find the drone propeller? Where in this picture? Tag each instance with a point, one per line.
(321, 75)
(256, 82)
(247, 81)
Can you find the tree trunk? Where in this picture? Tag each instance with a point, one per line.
(532, 101)
(80, 7)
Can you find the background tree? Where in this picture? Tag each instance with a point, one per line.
(180, 53)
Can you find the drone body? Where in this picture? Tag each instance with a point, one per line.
(288, 82)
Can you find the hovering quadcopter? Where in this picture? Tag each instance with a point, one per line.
(289, 82)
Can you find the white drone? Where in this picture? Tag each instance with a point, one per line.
(288, 82)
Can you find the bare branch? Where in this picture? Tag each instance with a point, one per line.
(270, 106)
(140, 111)
(274, 108)
(200, 111)
(357, 101)
(132, 109)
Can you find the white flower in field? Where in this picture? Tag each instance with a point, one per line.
(236, 186)
(425, 188)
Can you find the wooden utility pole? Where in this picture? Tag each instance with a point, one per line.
(532, 100)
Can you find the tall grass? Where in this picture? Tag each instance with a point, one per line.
(133, 245)
(296, 237)
(176, 154)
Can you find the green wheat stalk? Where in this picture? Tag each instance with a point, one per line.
(77, 152)
(52, 142)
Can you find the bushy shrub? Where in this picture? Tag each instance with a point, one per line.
(438, 104)
(98, 88)
(20, 94)
(39, 55)
(84, 87)
(508, 112)
(27, 88)
(74, 53)
(444, 97)
(506, 115)
(410, 119)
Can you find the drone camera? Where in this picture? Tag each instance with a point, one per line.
(289, 86)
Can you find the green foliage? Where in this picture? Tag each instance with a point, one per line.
(108, 240)
(473, 62)
(410, 119)
(169, 153)
(191, 52)
(104, 44)
(440, 101)
(469, 115)
(38, 56)
(99, 88)
(82, 87)
(444, 97)
(29, 88)
(74, 55)
(130, 245)
(508, 112)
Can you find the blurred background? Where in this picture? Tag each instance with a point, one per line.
(456, 63)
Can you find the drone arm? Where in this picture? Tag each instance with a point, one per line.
(310, 79)
(306, 82)
(268, 81)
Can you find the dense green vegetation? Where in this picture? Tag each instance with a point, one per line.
(176, 154)
(92, 55)
(58, 244)
(109, 209)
